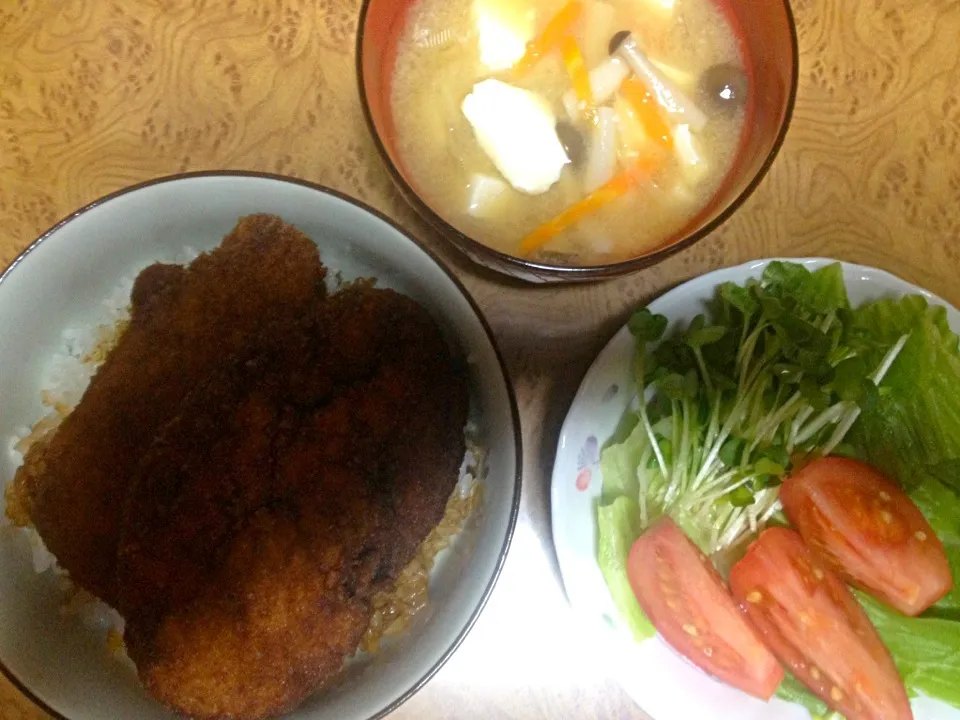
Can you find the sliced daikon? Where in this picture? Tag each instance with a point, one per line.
(602, 155)
(694, 165)
(504, 27)
(631, 136)
(674, 74)
(598, 28)
(605, 79)
(485, 194)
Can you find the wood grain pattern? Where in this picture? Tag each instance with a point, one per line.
(95, 95)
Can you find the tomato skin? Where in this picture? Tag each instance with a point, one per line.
(869, 531)
(817, 629)
(688, 604)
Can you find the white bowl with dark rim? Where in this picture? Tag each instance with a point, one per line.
(58, 282)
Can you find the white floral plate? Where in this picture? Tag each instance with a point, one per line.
(661, 682)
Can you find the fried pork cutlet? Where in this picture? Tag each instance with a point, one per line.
(184, 324)
(290, 487)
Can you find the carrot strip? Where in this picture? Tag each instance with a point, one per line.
(636, 93)
(551, 37)
(616, 187)
(577, 69)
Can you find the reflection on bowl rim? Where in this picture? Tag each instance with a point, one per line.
(508, 385)
(565, 273)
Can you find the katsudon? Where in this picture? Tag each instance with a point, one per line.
(256, 459)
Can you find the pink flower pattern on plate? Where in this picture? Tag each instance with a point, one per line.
(587, 461)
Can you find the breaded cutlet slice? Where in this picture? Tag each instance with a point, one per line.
(288, 489)
(184, 324)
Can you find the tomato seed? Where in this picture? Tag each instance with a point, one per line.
(920, 535)
(814, 673)
(836, 693)
(690, 630)
(754, 597)
(818, 573)
(805, 619)
(884, 496)
(886, 516)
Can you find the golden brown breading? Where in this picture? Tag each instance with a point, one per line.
(155, 285)
(290, 486)
(251, 463)
(265, 630)
(184, 324)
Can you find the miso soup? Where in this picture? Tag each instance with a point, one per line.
(567, 131)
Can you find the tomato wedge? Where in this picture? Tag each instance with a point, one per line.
(815, 626)
(869, 531)
(690, 607)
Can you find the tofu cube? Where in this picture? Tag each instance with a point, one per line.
(517, 130)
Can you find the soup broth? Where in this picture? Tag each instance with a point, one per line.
(449, 47)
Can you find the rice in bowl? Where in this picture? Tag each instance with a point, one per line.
(64, 380)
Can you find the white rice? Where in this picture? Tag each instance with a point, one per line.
(64, 379)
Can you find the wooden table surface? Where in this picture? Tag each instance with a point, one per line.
(99, 94)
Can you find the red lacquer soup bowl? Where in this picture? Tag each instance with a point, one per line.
(768, 44)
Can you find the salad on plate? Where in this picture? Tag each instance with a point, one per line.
(780, 500)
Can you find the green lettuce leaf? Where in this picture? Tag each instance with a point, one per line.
(925, 650)
(912, 433)
(618, 526)
(619, 460)
(884, 321)
(792, 690)
(913, 429)
(941, 507)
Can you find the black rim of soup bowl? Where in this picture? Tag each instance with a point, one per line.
(409, 692)
(520, 267)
